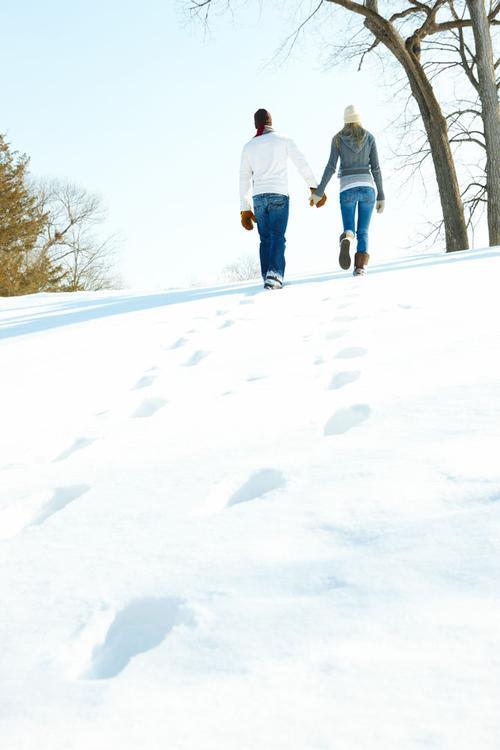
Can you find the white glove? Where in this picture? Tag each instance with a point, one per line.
(380, 205)
(315, 198)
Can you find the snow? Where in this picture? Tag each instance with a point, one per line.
(240, 519)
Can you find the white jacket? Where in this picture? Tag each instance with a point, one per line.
(264, 166)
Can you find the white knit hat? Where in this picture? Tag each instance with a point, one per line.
(351, 114)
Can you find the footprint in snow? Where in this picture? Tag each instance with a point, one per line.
(144, 382)
(228, 491)
(78, 445)
(332, 335)
(258, 485)
(345, 419)
(332, 583)
(62, 497)
(357, 536)
(343, 378)
(195, 358)
(139, 627)
(350, 352)
(345, 318)
(149, 407)
(177, 344)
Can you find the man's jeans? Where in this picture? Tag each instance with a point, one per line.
(364, 199)
(271, 212)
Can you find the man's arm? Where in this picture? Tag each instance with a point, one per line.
(246, 173)
(300, 162)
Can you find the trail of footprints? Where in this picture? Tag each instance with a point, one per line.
(40, 507)
(345, 419)
(144, 623)
(151, 405)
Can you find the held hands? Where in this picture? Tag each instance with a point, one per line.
(316, 200)
(380, 205)
(247, 219)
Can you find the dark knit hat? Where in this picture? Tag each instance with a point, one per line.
(262, 118)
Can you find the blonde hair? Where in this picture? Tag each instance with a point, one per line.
(354, 129)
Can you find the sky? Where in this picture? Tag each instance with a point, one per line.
(150, 110)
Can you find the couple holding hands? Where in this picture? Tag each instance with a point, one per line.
(263, 178)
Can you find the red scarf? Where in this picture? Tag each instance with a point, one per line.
(263, 130)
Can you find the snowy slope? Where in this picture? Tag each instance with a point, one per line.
(254, 520)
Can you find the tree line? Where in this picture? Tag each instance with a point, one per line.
(426, 39)
(49, 239)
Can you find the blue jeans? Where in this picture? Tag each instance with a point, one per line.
(271, 212)
(364, 199)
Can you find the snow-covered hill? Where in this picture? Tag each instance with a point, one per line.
(245, 520)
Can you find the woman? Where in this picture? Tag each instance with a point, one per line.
(359, 175)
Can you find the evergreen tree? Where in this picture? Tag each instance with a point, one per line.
(22, 268)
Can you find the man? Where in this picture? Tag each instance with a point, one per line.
(263, 173)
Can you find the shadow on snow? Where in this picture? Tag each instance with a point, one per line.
(65, 313)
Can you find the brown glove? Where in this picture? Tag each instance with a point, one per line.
(315, 201)
(247, 219)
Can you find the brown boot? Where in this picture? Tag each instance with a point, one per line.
(360, 263)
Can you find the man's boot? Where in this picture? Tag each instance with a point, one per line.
(273, 280)
(360, 263)
(346, 240)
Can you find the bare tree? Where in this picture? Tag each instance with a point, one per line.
(474, 120)
(84, 260)
(451, 67)
(403, 34)
(486, 85)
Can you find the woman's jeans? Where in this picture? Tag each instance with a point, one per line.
(271, 212)
(364, 199)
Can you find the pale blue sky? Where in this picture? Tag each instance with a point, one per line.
(130, 101)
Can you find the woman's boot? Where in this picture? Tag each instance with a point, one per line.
(360, 263)
(346, 240)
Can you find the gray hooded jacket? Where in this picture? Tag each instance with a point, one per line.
(357, 161)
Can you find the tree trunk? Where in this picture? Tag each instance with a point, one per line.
(489, 112)
(437, 133)
(436, 129)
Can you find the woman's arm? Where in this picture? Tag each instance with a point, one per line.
(329, 169)
(376, 171)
